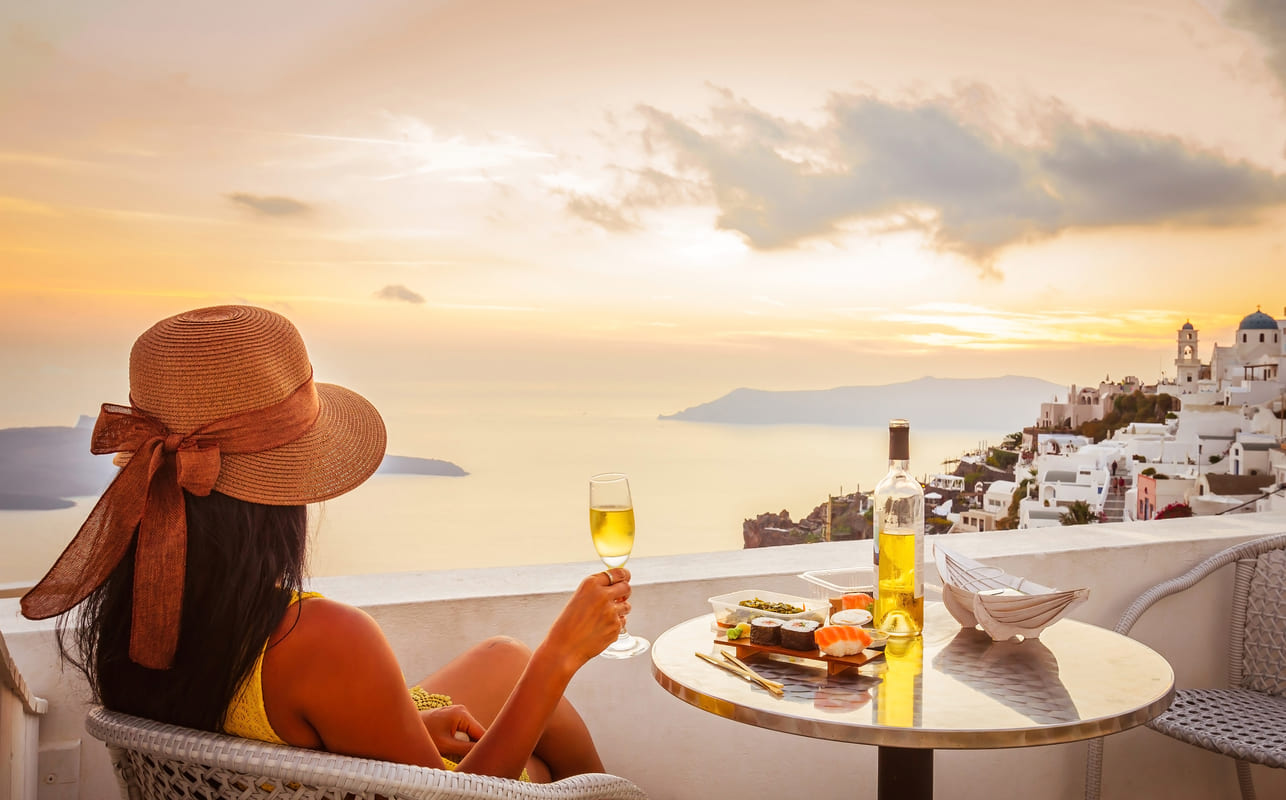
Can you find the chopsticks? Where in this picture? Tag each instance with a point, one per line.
(737, 667)
(772, 686)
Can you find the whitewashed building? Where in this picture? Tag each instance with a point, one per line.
(1225, 494)
(1251, 370)
(996, 499)
(1248, 455)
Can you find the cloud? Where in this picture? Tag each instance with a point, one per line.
(638, 191)
(937, 166)
(414, 148)
(45, 161)
(613, 217)
(1266, 19)
(21, 205)
(271, 206)
(981, 327)
(399, 293)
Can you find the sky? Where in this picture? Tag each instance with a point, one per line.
(638, 206)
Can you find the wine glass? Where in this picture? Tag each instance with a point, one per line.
(611, 526)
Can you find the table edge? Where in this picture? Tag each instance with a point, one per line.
(917, 738)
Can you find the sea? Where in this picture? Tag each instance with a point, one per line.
(525, 498)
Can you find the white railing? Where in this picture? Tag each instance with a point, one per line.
(20, 713)
(676, 751)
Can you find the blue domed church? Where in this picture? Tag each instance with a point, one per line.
(1257, 355)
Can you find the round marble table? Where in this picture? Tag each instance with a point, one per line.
(950, 688)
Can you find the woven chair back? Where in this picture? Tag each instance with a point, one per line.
(1264, 655)
(155, 761)
(149, 777)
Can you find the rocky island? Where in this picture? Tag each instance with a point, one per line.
(42, 468)
(939, 402)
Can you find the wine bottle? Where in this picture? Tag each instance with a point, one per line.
(899, 541)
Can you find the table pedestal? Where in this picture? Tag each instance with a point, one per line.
(905, 773)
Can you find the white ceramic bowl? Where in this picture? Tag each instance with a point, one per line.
(856, 617)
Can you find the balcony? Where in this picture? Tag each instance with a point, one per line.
(676, 751)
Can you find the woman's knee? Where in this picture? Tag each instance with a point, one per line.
(504, 652)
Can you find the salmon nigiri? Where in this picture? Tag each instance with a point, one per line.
(856, 600)
(841, 640)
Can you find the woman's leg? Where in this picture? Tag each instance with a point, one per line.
(481, 679)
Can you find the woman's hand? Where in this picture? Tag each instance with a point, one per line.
(593, 618)
(453, 730)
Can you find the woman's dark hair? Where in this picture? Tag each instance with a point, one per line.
(244, 560)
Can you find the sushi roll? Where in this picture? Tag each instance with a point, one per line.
(798, 634)
(765, 631)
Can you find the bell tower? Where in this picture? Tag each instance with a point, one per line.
(1187, 362)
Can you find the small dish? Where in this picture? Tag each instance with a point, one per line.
(879, 638)
(857, 617)
(728, 610)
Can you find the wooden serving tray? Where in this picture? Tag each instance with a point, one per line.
(834, 664)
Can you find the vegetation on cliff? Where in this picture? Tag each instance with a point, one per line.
(1127, 408)
(1010, 521)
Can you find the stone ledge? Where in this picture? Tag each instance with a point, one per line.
(408, 588)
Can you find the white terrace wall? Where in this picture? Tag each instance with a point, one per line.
(677, 751)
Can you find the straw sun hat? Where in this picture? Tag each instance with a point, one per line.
(221, 399)
(212, 363)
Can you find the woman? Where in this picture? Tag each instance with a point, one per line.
(190, 572)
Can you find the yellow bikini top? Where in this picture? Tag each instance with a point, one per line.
(246, 715)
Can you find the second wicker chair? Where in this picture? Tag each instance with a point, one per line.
(1246, 720)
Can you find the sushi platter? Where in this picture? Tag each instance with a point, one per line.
(834, 664)
(756, 623)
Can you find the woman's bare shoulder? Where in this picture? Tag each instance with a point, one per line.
(332, 680)
(321, 626)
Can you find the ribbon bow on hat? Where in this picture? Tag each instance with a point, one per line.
(146, 498)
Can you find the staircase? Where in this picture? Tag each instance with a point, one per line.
(1114, 504)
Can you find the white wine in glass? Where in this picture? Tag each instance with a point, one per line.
(611, 526)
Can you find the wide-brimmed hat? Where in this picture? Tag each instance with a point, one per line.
(212, 363)
(221, 399)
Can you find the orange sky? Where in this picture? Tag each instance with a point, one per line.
(638, 205)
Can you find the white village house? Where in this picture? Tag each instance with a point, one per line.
(1231, 424)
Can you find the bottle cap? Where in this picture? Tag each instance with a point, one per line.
(899, 440)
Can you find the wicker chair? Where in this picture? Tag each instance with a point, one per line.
(1246, 721)
(155, 761)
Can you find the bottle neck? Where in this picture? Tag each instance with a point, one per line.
(899, 464)
(899, 441)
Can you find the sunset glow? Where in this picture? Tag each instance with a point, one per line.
(464, 195)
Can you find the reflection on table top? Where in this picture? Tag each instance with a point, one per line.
(952, 689)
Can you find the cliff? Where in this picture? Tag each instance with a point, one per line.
(849, 519)
(847, 522)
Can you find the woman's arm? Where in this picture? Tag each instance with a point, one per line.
(588, 623)
(331, 681)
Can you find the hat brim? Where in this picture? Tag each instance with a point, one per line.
(342, 449)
